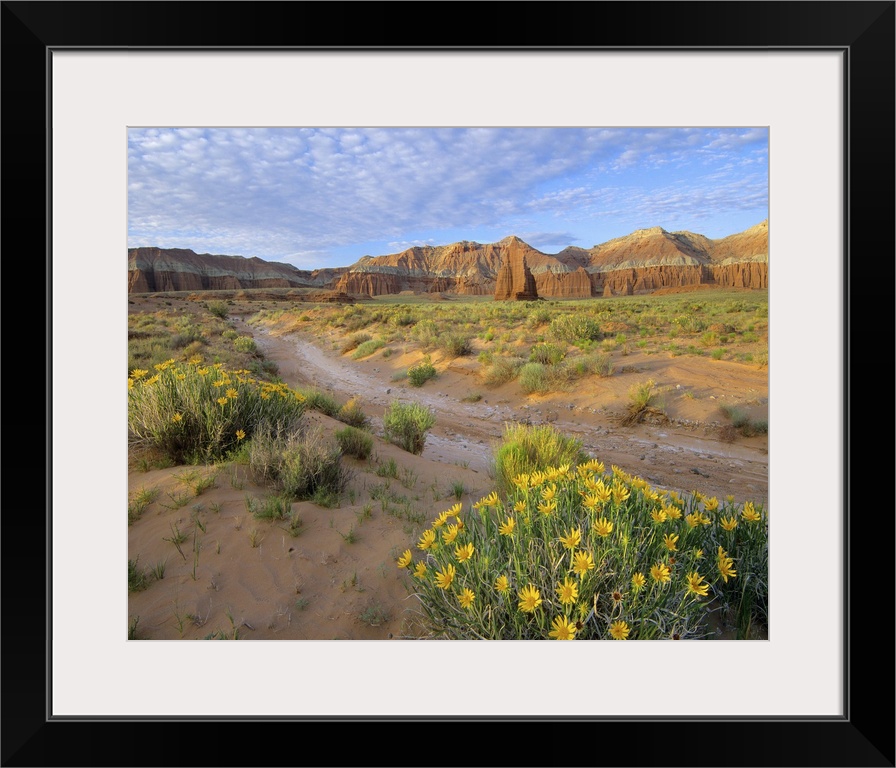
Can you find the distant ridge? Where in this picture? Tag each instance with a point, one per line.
(643, 261)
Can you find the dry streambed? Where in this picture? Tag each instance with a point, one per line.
(684, 453)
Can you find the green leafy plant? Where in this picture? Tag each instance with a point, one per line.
(420, 373)
(406, 425)
(354, 442)
(300, 463)
(138, 578)
(524, 448)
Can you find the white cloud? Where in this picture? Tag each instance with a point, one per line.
(276, 192)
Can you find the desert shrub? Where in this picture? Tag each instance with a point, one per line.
(218, 309)
(742, 422)
(690, 323)
(406, 425)
(420, 373)
(534, 378)
(576, 552)
(353, 341)
(321, 402)
(456, 344)
(368, 348)
(230, 334)
(354, 442)
(546, 354)
(525, 448)
(245, 344)
(426, 332)
(402, 319)
(300, 463)
(193, 413)
(595, 363)
(538, 317)
(350, 413)
(502, 370)
(574, 328)
(643, 400)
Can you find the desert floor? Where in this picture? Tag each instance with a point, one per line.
(337, 580)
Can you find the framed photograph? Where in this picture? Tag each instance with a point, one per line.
(817, 76)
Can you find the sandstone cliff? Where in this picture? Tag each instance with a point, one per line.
(644, 261)
(180, 269)
(515, 280)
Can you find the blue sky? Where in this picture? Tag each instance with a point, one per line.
(325, 197)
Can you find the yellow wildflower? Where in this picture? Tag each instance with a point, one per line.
(726, 565)
(502, 584)
(240, 435)
(487, 501)
(506, 528)
(176, 417)
(594, 466)
(672, 512)
(530, 599)
(670, 540)
(427, 539)
(463, 552)
(564, 629)
(450, 534)
(549, 492)
(440, 520)
(405, 560)
(619, 630)
(658, 515)
(620, 493)
(582, 562)
(695, 585)
(572, 538)
(638, 580)
(661, 573)
(568, 591)
(591, 501)
(444, 578)
(420, 570)
(750, 514)
(711, 505)
(728, 523)
(547, 507)
(466, 598)
(231, 393)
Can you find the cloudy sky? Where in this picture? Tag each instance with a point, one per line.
(324, 197)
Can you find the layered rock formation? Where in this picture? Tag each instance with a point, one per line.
(515, 280)
(646, 260)
(180, 269)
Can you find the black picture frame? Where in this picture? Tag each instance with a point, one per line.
(864, 736)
